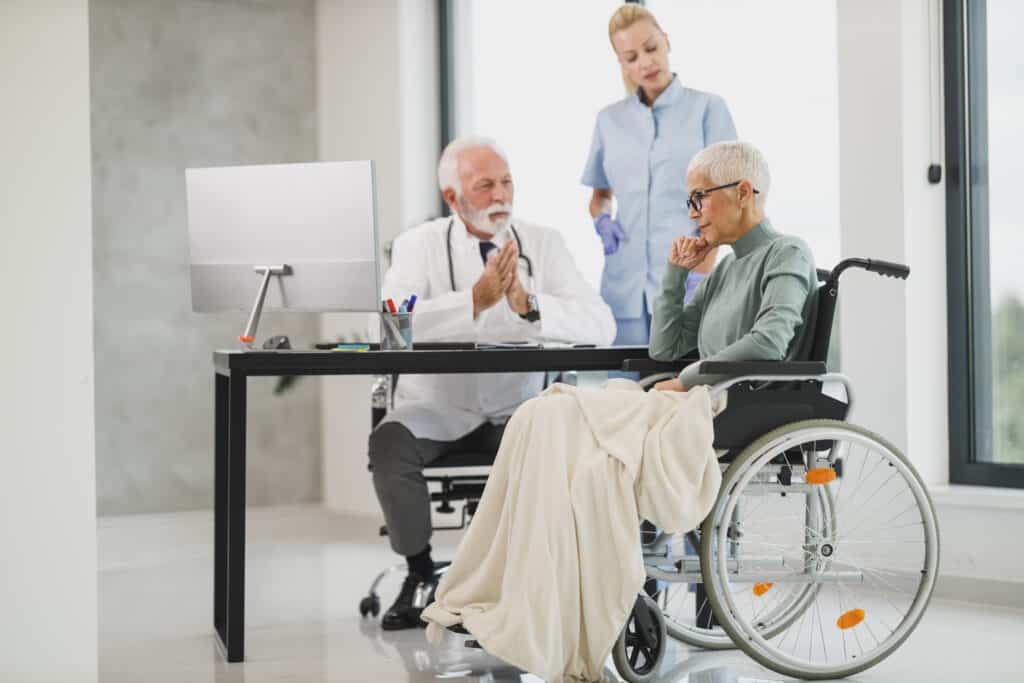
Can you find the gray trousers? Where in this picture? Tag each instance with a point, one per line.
(397, 459)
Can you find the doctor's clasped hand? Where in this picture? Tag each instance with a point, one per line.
(499, 280)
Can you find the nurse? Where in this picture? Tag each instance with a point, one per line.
(641, 148)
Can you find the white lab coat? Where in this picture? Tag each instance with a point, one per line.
(447, 407)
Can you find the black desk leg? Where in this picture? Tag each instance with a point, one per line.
(229, 531)
(220, 507)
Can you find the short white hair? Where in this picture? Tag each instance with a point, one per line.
(727, 162)
(448, 166)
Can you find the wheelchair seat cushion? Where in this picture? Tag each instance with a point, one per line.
(753, 412)
(462, 459)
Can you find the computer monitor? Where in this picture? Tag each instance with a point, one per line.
(317, 219)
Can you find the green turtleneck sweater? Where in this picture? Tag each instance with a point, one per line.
(752, 306)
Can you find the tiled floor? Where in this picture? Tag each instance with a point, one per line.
(307, 570)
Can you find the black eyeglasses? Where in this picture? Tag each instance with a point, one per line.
(695, 199)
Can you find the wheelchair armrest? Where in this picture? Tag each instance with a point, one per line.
(648, 366)
(762, 367)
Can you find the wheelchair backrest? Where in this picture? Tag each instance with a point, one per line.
(755, 410)
(814, 343)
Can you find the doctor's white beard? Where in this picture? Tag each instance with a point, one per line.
(481, 219)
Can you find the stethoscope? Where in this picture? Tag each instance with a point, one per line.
(519, 244)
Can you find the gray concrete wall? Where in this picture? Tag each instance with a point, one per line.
(178, 84)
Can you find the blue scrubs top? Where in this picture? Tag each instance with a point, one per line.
(641, 154)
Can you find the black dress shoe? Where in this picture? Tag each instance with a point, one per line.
(417, 592)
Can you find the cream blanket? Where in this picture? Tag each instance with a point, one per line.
(551, 564)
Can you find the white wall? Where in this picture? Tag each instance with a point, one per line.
(377, 98)
(872, 310)
(894, 334)
(48, 505)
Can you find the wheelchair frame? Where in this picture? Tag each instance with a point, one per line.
(642, 643)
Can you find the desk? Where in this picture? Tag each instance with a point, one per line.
(234, 367)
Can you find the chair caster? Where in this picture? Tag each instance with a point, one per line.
(370, 605)
(641, 646)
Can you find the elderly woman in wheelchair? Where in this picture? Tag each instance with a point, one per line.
(819, 552)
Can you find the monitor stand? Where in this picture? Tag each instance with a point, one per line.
(249, 336)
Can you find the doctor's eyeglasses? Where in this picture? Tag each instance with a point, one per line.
(695, 198)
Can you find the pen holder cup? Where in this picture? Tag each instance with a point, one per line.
(396, 331)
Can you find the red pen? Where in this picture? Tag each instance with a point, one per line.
(391, 306)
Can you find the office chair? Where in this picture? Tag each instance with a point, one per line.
(447, 485)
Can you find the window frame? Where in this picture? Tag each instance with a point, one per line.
(971, 427)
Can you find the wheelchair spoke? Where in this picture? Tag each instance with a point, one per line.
(842, 504)
(867, 517)
(846, 566)
(911, 541)
(821, 629)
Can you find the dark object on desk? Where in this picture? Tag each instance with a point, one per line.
(445, 346)
(279, 341)
(327, 346)
(420, 346)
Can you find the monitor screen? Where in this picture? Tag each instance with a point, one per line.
(317, 218)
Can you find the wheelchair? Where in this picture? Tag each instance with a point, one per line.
(820, 554)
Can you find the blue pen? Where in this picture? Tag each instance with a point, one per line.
(412, 302)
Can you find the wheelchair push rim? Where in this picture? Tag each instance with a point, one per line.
(873, 567)
(679, 603)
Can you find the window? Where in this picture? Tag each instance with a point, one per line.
(532, 74)
(780, 80)
(984, 77)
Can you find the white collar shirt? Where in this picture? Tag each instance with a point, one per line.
(447, 407)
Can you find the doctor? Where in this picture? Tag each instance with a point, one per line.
(478, 276)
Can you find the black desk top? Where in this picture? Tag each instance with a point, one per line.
(296, 362)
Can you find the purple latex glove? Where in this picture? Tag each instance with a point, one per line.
(610, 231)
(692, 280)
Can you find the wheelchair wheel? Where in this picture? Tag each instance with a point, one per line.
(641, 646)
(821, 551)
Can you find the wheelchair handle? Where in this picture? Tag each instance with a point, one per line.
(889, 269)
(884, 268)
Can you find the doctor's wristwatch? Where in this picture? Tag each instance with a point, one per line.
(532, 311)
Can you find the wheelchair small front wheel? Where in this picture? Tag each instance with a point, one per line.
(640, 649)
(821, 552)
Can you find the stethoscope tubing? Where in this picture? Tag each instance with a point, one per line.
(451, 263)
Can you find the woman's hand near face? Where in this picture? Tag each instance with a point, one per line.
(689, 252)
(673, 384)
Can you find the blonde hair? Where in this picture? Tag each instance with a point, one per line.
(624, 17)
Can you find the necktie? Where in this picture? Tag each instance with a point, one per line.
(485, 249)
